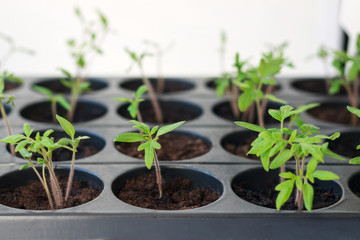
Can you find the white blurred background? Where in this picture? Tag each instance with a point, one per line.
(193, 26)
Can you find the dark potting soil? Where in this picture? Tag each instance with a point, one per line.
(173, 147)
(11, 86)
(170, 86)
(178, 193)
(212, 85)
(267, 197)
(346, 144)
(316, 86)
(335, 113)
(57, 87)
(173, 111)
(85, 111)
(223, 110)
(241, 149)
(32, 196)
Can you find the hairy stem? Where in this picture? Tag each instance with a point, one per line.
(42, 183)
(71, 175)
(269, 89)
(53, 110)
(3, 113)
(73, 101)
(158, 175)
(259, 113)
(139, 117)
(154, 101)
(57, 186)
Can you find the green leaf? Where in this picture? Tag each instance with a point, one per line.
(288, 175)
(293, 136)
(353, 71)
(63, 102)
(261, 146)
(308, 192)
(27, 130)
(274, 98)
(145, 128)
(23, 167)
(142, 146)
(67, 126)
(281, 158)
(246, 99)
(24, 153)
(122, 100)
(155, 145)
(64, 141)
(311, 166)
(48, 132)
(275, 114)
(130, 137)
(154, 129)
(165, 129)
(353, 110)
(2, 84)
(299, 183)
(149, 155)
(250, 126)
(13, 138)
(66, 73)
(285, 189)
(265, 160)
(335, 87)
(325, 175)
(355, 160)
(42, 90)
(329, 153)
(21, 145)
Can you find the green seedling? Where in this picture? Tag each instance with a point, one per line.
(159, 53)
(44, 146)
(149, 144)
(224, 85)
(77, 87)
(10, 100)
(133, 108)
(252, 93)
(93, 35)
(323, 54)
(274, 142)
(138, 60)
(356, 111)
(54, 99)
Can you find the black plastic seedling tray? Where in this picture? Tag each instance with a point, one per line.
(230, 217)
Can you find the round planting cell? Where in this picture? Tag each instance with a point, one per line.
(85, 111)
(55, 85)
(22, 189)
(314, 85)
(7, 110)
(171, 85)
(258, 187)
(178, 145)
(86, 148)
(211, 84)
(183, 188)
(239, 143)
(354, 184)
(332, 111)
(9, 86)
(346, 144)
(173, 111)
(223, 110)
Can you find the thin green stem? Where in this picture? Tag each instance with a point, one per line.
(3, 113)
(42, 183)
(259, 113)
(158, 175)
(71, 175)
(154, 101)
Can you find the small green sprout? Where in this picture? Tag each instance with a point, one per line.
(93, 36)
(284, 144)
(270, 65)
(138, 60)
(148, 144)
(355, 111)
(53, 98)
(44, 145)
(77, 87)
(134, 103)
(10, 100)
